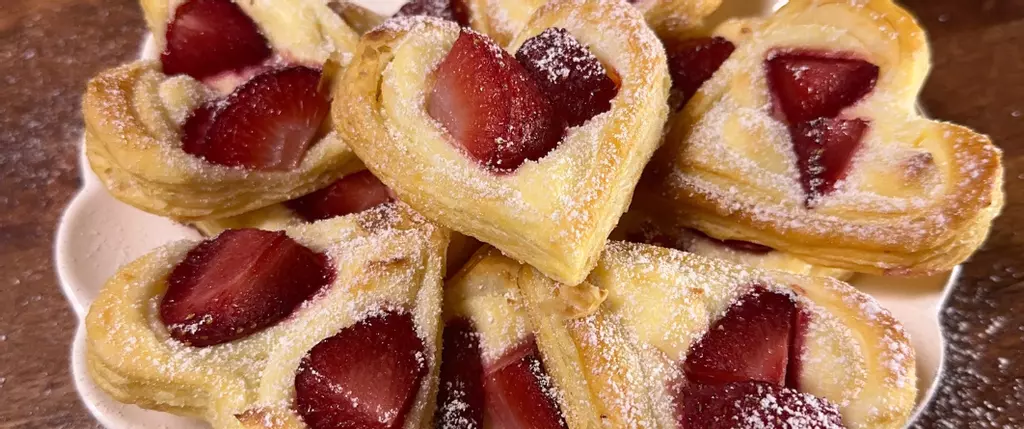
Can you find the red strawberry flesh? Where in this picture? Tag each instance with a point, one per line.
(573, 78)
(353, 193)
(367, 376)
(460, 397)
(197, 125)
(749, 343)
(754, 404)
(491, 106)
(824, 151)
(239, 283)
(809, 85)
(801, 324)
(209, 37)
(692, 62)
(268, 123)
(451, 10)
(518, 391)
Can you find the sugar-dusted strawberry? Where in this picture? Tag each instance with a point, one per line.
(755, 404)
(366, 376)
(460, 396)
(801, 323)
(809, 85)
(268, 123)
(824, 151)
(209, 37)
(518, 391)
(491, 106)
(692, 62)
(350, 194)
(570, 75)
(239, 283)
(452, 10)
(749, 343)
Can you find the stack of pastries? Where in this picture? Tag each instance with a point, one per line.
(527, 213)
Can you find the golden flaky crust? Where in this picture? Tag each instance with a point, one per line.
(134, 114)
(920, 196)
(616, 362)
(386, 258)
(554, 213)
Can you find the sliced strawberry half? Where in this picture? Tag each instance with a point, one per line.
(692, 62)
(491, 106)
(366, 376)
(518, 391)
(353, 193)
(209, 37)
(824, 151)
(810, 85)
(460, 397)
(268, 123)
(239, 283)
(749, 343)
(571, 76)
(755, 404)
(801, 324)
(452, 10)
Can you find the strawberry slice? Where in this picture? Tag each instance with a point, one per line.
(209, 37)
(801, 322)
(366, 376)
(824, 150)
(196, 126)
(353, 193)
(460, 397)
(810, 85)
(268, 123)
(692, 62)
(749, 343)
(452, 10)
(239, 283)
(755, 404)
(490, 105)
(571, 76)
(518, 391)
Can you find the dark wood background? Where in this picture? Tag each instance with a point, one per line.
(49, 48)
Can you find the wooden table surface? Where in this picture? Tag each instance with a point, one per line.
(49, 48)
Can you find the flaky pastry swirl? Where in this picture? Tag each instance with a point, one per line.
(920, 195)
(554, 213)
(384, 259)
(134, 113)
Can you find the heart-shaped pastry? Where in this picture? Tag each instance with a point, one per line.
(807, 140)
(535, 153)
(661, 338)
(321, 325)
(232, 117)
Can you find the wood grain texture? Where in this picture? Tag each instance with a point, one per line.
(49, 48)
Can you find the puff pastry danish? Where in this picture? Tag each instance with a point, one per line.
(807, 140)
(336, 321)
(661, 338)
(542, 160)
(165, 136)
(638, 227)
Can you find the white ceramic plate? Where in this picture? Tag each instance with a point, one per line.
(98, 234)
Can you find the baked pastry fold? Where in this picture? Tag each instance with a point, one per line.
(612, 347)
(385, 259)
(134, 116)
(919, 196)
(554, 213)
